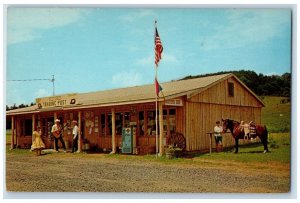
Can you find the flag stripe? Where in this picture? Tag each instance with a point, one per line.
(158, 47)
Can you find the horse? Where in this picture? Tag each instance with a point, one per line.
(238, 133)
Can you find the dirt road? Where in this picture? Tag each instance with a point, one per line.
(102, 173)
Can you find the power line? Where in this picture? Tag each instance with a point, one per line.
(30, 80)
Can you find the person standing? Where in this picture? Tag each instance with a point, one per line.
(75, 136)
(218, 136)
(56, 131)
(37, 144)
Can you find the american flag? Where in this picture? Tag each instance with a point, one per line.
(158, 48)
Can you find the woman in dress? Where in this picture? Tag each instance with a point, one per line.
(38, 143)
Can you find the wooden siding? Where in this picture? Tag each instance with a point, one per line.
(201, 119)
(218, 94)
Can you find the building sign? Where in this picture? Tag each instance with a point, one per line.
(56, 101)
(174, 102)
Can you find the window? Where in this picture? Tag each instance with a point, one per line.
(231, 89)
(127, 120)
(151, 123)
(172, 120)
(119, 123)
(28, 127)
(109, 123)
(141, 123)
(103, 129)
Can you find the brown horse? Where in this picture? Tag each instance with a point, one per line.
(238, 133)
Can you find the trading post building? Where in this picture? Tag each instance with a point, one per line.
(187, 107)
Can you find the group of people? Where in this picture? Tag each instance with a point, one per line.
(38, 144)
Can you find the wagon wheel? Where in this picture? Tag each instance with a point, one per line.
(177, 140)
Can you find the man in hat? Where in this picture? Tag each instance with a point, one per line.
(75, 136)
(56, 129)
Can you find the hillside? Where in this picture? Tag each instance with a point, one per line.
(277, 114)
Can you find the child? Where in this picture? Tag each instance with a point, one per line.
(38, 143)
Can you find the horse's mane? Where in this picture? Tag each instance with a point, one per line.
(233, 121)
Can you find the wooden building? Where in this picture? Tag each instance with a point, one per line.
(190, 107)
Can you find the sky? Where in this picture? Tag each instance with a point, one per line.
(93, 49)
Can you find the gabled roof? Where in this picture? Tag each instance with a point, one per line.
(139, 94)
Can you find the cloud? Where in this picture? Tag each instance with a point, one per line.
(245, 27)
(24, 24)
(149, 60)
(169, 58)
(127, 79)
(146, 61)
(137, 15)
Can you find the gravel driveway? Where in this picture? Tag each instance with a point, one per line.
(101, 173)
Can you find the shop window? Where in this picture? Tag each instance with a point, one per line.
(165, 123)
(151, 123)
(103, 128)
(96, 125)
(127, 120)
(109, 124)
(141, 123)
(28, 127)
(230, 89)
(119, 123)
(172, 120)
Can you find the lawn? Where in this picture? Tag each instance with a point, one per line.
(276, 115)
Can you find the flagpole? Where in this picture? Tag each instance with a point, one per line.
(156, 121)
(156, 118)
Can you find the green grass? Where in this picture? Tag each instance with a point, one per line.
(279, 147)
(276, 116)
(279, 152)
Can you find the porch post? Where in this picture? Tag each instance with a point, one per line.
(79, 134)
(33, 127)
(55, 117)
(161, 129)
(113, 138)
(12, 145)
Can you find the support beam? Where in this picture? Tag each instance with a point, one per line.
(113, 138)
(55, 117)
(33, 127)
(161, 129)
(12, 146)
(134, 151)
(79, 133)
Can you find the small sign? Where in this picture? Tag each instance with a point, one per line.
(174, 102)
(132, 123)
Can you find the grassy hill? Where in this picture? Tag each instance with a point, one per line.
(277, 114)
